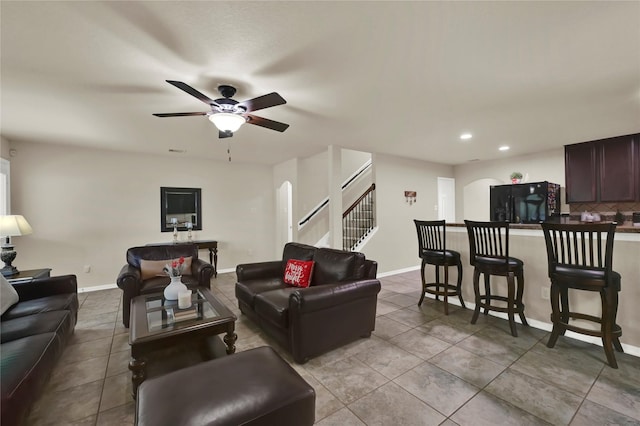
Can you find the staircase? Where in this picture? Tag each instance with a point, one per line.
(358, 220)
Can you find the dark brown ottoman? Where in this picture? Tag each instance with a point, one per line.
(254, 387)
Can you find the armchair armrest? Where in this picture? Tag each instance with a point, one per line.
(203, 271)
(128, 277)
(330, 295)
(252, 271)
(49, 286)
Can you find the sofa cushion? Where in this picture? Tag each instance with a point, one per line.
(246, 291)
(297, 251)
(273, 306)
(29, 325)
(155, 268)
(337, 265)
(8, 295)
(298, 272)
(26, 366)
(58, 302)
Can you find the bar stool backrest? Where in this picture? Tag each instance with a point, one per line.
(579, 246)
(431, 236)
(488, 240)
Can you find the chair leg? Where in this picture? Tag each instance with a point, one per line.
(519, 303)
(424, 283)
(476, 290)
(459, 284)
(558, 329)
(446, 289)
(607, 323)
(487, 291)
(511, 303)
(437, 281)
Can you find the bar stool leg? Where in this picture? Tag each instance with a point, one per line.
(606, 327)
(520, 305)
(476, 290)
(555, 316)
(487, 292)
(511, 303)
(446, 290)
(459, 285)
(437, 281)
(424, 283)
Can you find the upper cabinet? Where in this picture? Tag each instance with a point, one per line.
(603, 171)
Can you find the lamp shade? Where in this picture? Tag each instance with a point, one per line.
(14, 225)
(226, 121)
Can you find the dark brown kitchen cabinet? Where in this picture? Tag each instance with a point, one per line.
(580, 172)
(604, 170)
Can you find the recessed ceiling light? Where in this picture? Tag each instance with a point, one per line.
(504, 148)
(466, 136)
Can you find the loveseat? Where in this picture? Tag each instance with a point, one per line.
(338, 307)
(34, 332)
(143, 272)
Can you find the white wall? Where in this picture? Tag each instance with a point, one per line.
(395, 245)
(88, 206)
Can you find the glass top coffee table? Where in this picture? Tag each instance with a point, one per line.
(158, 324)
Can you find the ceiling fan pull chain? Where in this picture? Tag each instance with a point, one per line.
(229, 150)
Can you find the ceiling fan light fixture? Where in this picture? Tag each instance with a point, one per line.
(227, 121)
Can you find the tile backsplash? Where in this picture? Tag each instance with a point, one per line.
(607, 211)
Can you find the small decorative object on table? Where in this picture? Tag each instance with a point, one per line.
(516, 177)
(619, 218)
(189, 228)
(174, 271)
(174, 222)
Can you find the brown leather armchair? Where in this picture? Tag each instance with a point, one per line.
(143, 272)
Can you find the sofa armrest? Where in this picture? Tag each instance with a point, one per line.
(203, 271)
(49, 286)
(330, 295)
(128, 278)
(252, 271)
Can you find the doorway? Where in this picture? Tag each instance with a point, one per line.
(447, 199)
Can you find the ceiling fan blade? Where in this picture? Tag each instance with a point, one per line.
(265, 122)
(225, 134)
(264, 101)
(193, 92)
(179, 114)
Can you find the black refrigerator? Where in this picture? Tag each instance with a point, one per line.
(525, 202)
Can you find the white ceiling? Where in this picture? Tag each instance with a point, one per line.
(403, 78)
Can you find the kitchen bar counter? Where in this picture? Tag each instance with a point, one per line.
(626, 228)
(526, 242)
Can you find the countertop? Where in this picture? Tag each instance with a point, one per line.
(626, 228)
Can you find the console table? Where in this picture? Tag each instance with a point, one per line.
(211, 245)
(29, 275)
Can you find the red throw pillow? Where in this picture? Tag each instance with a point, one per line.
(298, 272)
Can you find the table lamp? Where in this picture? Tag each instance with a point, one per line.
(11, 226)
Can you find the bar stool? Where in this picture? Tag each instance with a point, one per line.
(432, 250)
(489, 255)
(580, 257)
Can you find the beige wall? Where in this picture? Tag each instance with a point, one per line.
(395, 246)
(548, 165)
(87, 207)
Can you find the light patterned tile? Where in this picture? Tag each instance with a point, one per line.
(472, 368)
(535, 396)
(420, 344)
(392, 405)
(485, 409)
(438, 388)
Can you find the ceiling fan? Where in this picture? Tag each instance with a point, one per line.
(228, 114)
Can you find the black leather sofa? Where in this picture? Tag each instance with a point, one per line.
(34, 333)
(337, 308)
(134, 282)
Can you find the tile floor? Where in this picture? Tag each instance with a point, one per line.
(419, 368)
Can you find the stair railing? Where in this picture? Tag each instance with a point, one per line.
(325, 201)
(359, 219)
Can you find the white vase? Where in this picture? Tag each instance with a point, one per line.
(175, 286)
